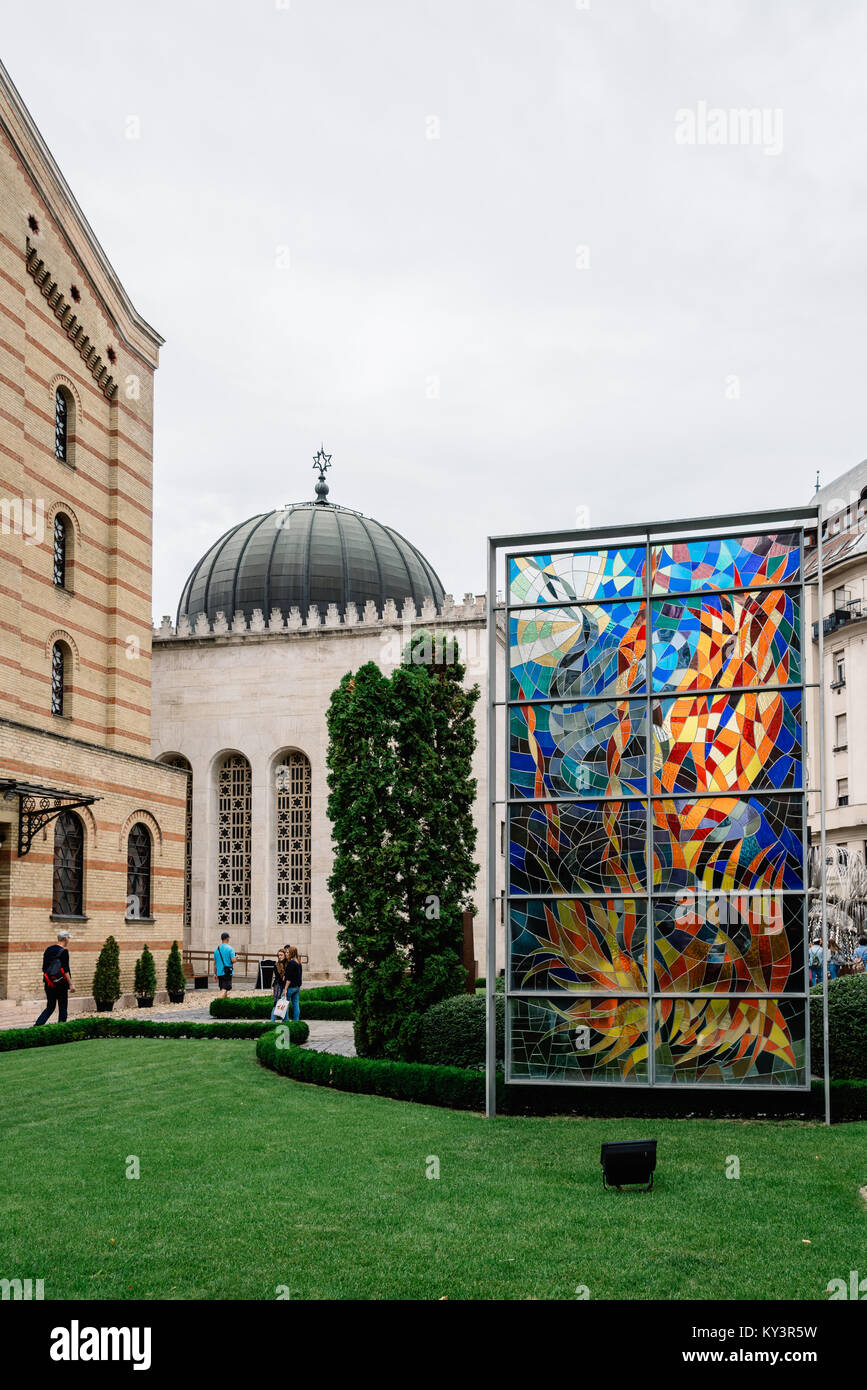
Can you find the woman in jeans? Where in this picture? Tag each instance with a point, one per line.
(278, 984)
(293, 979)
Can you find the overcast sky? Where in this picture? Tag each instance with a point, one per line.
(467, 244)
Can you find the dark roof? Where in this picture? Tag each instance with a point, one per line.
(312, 552)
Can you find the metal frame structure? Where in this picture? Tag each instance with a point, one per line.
(500, 550)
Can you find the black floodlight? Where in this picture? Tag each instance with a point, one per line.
(629, 1164)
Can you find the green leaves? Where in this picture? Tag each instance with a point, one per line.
(401, 806)
(106, 976)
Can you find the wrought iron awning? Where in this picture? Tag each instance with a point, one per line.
(37, 806)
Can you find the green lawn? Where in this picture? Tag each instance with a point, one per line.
(250, 1181)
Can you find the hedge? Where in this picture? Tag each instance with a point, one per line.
(80, 1030)
(260, 1006)
(464, 1089)
(847, 1027)
(453, 1032)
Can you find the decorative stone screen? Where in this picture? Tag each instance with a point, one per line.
(293, 790)
(234, 842)
(657, 830)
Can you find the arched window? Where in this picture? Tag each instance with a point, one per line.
(61, 535)
(59, 676)
(62, 424)
(138, 872)
(68, 898)
(293, 787)
(234, 841)
(178, 760)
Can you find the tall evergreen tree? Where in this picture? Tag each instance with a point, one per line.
(401, 807)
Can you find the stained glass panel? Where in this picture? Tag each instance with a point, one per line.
(578, 847)
(580, 944)
(584, 749)
(572, 653)
(726, 1042)
(719, 563)
(573, 577)
(723, 742)
(729, 943)
(711, 762)
(727, 640)
(599, 1039)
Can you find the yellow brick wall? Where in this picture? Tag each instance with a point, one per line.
(127, 787)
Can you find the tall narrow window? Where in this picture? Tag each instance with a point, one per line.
(293, 788)
(234, 842)
(842, 791)
(58, 677)
(177, 760)
(61, 425)
(60, 551)
(841, 737)
(138, 872)
(68, 898)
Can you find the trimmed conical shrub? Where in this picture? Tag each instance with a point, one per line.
(145, 980)
(175, 982)
(106, 976)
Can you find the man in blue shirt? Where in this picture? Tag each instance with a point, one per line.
(224, 964)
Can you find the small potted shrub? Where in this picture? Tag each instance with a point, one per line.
(106, 977)
(145, 979)
(175, 982)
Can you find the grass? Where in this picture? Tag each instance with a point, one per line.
(250, 1181)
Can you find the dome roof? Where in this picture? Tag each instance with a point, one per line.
(312, 552)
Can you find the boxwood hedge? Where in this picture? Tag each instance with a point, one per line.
(453, 1032)
(79, 1030)
(310, 1002)
(464, 1089)
(847, 1028)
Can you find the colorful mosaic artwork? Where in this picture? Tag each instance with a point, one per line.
(666, 819)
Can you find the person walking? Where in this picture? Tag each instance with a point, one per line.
(294, 975)
(224, 964)
(279, 984)
(816, 958)
(836, 959)
(860, 954)
(56, 980)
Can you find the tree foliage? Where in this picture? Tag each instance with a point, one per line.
(106, 976)
(401, 807)
(175, 981)
(145, 977)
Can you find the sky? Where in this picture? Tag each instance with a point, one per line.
(518, 264)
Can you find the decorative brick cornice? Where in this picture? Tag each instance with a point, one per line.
(69, 322)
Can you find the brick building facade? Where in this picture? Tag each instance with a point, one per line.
(83, 806)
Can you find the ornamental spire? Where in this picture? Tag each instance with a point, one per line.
(322, 461)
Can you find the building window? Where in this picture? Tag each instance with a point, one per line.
(58, 677)
(234, 842)
(841, 596)
(839, 669)
(68, 899)
(62, 413)
(294, 847)
(176, 760)
(840, 735)
(60, 537)
(138, 872)
(842, 791)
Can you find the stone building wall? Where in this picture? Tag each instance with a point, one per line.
(263, 691)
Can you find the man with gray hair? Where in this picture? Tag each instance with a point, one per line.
(56, 979)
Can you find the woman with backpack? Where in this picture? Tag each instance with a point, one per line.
(279, 983)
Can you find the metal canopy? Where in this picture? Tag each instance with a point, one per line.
(38, 806)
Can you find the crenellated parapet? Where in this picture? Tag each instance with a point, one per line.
(470, 610)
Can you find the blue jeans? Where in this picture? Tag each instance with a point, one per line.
(292, 996)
